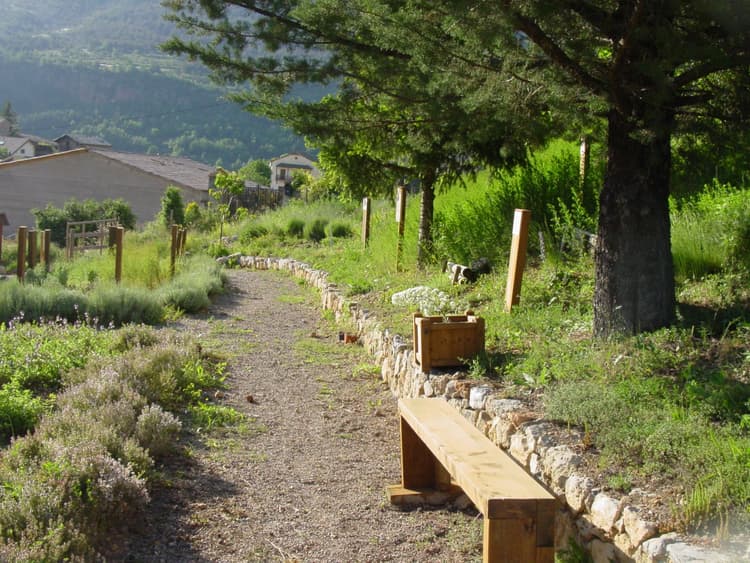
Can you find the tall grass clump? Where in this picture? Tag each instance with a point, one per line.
(548, 185)
(191, 290)
(711, 232)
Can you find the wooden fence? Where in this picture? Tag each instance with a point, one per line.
(87, 235)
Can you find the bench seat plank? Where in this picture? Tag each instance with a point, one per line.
(498, 486)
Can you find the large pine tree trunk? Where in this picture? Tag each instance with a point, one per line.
(635, 288)
(426, 214)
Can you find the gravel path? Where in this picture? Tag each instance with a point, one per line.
(304, 480)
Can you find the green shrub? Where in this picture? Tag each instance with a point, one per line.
(157, 430)
(252, 231)
(19, 411)
(295, 228)
(340, 230)
(316, 231)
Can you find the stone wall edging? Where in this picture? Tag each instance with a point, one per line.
(609, 528)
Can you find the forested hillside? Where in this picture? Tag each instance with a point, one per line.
(94, 67)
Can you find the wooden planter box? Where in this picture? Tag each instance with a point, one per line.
(447, 341)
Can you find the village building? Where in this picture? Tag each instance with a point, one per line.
(284, 167)
(87, 173)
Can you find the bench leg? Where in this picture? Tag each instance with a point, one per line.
(513, 540)
(423, 478)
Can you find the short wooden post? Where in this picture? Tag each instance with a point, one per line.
(119, 231)
(365, 222)
(46, 241)
(1, 240)
(33, 248)
(21, 260)
(173, 248)
(401, 218)
(519, 242)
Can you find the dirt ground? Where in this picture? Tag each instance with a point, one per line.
(304, 479)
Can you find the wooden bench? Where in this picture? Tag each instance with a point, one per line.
(442, 454)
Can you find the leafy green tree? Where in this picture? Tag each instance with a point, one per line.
(649, 68)
(258, 171)
(227, 188)
(172, 207)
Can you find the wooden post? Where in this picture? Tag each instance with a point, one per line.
(173, 248)
(32, 239)
(365, 222)
(519, 242)
(583, 165)
(182, 241)
(1, 240)
(46, 241)
(119, 231)
(21, 261)
(401, 218)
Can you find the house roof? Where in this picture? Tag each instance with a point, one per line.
(180, 171)
(291, 155)
(85, 141)
(13, 144)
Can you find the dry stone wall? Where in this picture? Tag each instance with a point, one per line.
(610, 529)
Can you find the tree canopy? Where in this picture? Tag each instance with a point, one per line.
(436, 87)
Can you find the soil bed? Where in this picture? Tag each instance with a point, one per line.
(304, 479)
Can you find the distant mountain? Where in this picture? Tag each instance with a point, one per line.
(94, 67)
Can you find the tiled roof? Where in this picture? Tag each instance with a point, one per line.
(183, 171)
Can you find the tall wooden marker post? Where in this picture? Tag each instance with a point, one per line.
(21, 262)
(519, 242)
(401, 219)
(365, 222)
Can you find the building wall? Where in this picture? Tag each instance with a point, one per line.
(81, 175)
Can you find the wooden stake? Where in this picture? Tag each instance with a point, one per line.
(365, 222)
(21, 261)
(46, 241)
(173, 248)
(521, 220)
(401, 218)
(32, 239)
(118, 253)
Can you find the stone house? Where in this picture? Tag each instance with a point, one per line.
(87, 173)
(284, 166)
(69, 142)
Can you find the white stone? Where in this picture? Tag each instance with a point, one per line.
(638, 530)
(478, 395)
(428, 390)
(579, 493)
(605, 511)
